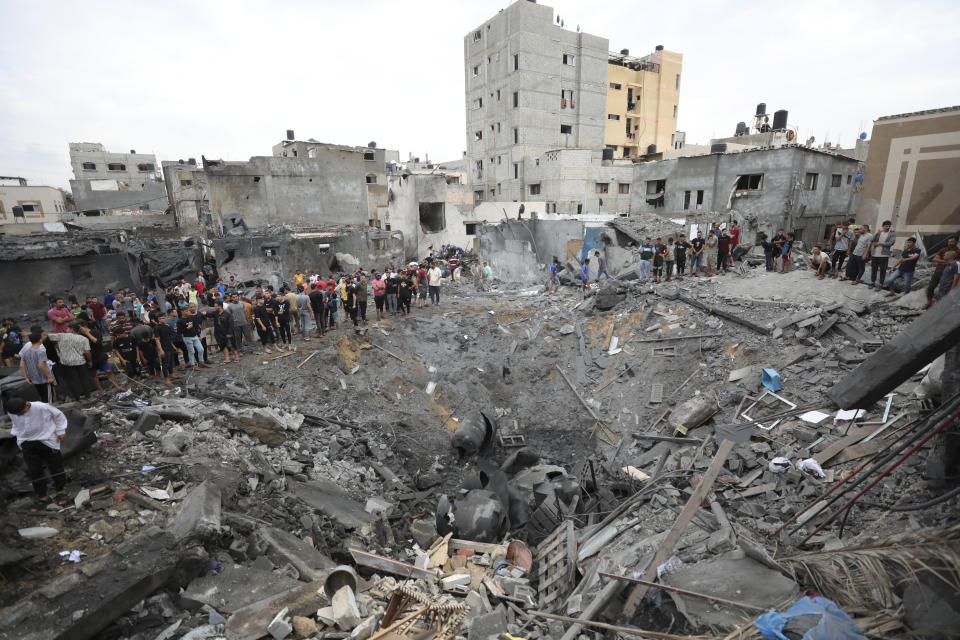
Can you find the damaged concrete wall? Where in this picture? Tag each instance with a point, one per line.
(23, 280)
(266, 190)
(275, 258)
(509, 246)
(783, 198)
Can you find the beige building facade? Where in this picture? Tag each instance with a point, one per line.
(643, 100)
(911, 173)
(39, 204)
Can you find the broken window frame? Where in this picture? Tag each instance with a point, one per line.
(766, 392)
(810, 181)
(749, 182)
(369, 156)
(432, 216)
(535, 189)
(836, 180)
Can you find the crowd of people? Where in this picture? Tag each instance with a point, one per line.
(156, 334)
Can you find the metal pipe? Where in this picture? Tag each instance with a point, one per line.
(683, 592)
(896, 464)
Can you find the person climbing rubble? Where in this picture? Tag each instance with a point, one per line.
(39, 429)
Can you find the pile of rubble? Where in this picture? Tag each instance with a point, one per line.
(654, 461)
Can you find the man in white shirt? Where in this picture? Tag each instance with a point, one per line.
(39, 427)
(433, 282)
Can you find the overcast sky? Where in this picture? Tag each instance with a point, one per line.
(227, 78)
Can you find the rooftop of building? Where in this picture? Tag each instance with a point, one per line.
(920, 113)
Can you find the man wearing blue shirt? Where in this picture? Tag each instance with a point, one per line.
(554, 285)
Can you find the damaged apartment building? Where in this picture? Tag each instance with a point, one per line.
(553, 116)
(108, 183)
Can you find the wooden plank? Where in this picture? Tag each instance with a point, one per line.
(478, 547)
(763, 488)
(827, 454)
(679, 526)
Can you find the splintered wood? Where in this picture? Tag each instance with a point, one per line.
(556, 557)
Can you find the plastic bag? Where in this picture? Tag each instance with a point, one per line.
(834, 624)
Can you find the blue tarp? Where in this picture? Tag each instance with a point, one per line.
(834, 623)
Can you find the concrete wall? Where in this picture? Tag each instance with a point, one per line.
(147, 194)
(138, 185)
(84, 275)
(911, 173)
(517, 249)
(528, 30)
(246, 258)
(49, 201)
(568, 182)
(782, 201)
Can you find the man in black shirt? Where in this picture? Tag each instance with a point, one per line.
(164, 335)
(316, 305)
(681, 249)
(263, 321)
(148, 353)
(190, 325)
(281, 307)
(126, 349)
(696, 254)
(393, 284)
(778, 241)
(224, 332)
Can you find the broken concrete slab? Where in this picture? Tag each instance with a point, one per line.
(329, 499)
(345, 609)
(283, 547)
(250, 622)
(261, 426)
(733, 576)
(199, 515)
(236, 587)
(147, 421)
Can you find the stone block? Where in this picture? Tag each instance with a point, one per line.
(345, 610)
(146, 421)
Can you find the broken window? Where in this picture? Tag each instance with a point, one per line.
(810, 183)
(31, 207)
(749, 182)
(89, 166)
(479, 168)
(699, 198)
(516, 99)
(478, 196)
(566, 128)
(569, 59)
(516, 62)
(616, 85)
(655, 186)
(477, 35)
(535, 189)
(623, 188)
(493, 192)
(371, 178)
(603, 187)
(432, 216)
(146, 167)
(470, 228)
(686, 200)
(186, 183)
(478, 103)
(477, 135)
(368, 155)
(311, 152)
(294, 153)
(566, 98)
(116, 166)
(836, 180)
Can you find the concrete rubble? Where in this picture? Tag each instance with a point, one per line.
(585, 466)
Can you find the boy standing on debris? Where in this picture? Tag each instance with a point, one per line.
(724, 244)
(905, 267)
(880, 253)
(785, 253)
(39, 429)
(553, 285)
(659, 253)
(669, 257)
(585, 274)
(681, 251)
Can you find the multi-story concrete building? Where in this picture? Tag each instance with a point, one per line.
(800, 189)
(643, 97)
(108, 183)
(532, 86)
(911, 174)
(22, 203)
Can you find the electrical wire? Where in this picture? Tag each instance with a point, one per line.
(929, 503)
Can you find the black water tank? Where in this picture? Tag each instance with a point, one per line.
(608, 154)
(371, 145)
(762, 109)
(290, 134)
(718, 147)
(780, 120)
(624, 52)
(659, 47)
(741, 129)
(133, 152)
(651, 149)
(192, 162)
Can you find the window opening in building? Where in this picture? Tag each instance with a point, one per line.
(477, 103)
(371, 178)
(749, 182)
(569, 59)
(613, 116)
(686, 200)
(516, 170)
(566, 98)
(849, 177)
(145, 167)
(476, 70)
(516, 62)
(477, 35)
(535, 189)
(603, 187)
(516, 99)
(678, 82)
(836, 180)
(630, 98)
(116, 166)
(186, 183)
(432, 217)
(470, 228)
(656, 186)
(566, 128)
(89, 166)
(516, 135)
(256, 178)
(498, 95)
(477, 135)
(616, 85)
(623, 188)
(699, 198)
(368, 155)
(478, 196)
(811, 181)
(674, 112)
(31, 208)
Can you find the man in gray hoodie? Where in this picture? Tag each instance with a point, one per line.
(880, 254)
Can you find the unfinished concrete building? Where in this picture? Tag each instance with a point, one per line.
(532, 86)
(910, 173)
(108, 183)
(792, 187)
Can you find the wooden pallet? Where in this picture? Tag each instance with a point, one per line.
(556, 566)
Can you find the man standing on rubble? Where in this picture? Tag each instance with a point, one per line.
(433, 281)
(696, 254)
(842, 237)
(39, 429)
(905, 267)
(601, 266)
(75, 358)
(303, 311)
(318, 309)
(880, 254)
(59, 316)
(861, 253)
(680, 251)
(646, 255)
(941, 259)
(241, 328)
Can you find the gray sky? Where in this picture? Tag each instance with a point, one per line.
(227, 78)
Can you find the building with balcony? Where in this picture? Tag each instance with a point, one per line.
(107, 183)
(643, 98)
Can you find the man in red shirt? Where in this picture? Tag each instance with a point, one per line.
(60, 317)
(734, 239)
(199, 285)
(99, 312)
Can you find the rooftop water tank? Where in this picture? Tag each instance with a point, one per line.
(762, 109)
(290, 134)
(780, 120)
(718, 147)
(741, 129)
